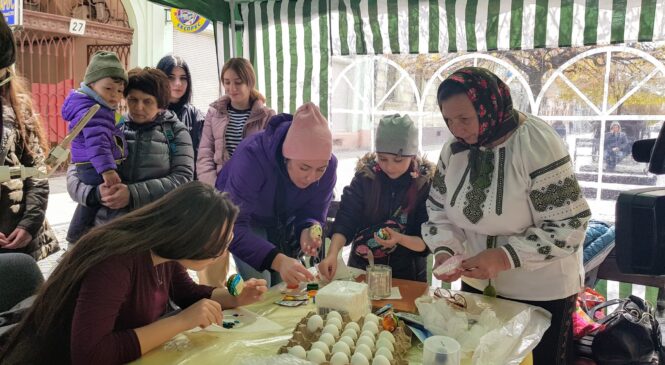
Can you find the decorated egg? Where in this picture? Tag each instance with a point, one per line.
(371, 317)
(327, 338)
(363, 340)
(349, 341)
(341, 347)
(334, 314)
(372, 327)
(352, 325)
(383, 234)
(321, 346)
(363, 349)
(384, 352)
(380, 360)
(314, 323)
(350, 333)
(359, 359)
(298, 351)
(332, 329)
(388, 336)
(389, 322)
(383, 342)
(316, 356)
(315, 231)
(336, 321)
(339, 358)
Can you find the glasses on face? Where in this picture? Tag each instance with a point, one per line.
(457, 300)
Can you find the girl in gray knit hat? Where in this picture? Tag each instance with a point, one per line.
(384, 206)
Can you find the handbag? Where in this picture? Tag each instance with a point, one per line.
(628, 335)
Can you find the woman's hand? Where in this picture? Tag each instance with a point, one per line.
(487, 264)
(201, 314)
(115, 197)
(308, 245)
(394, 238)
(328, 266)
(252, 291)
(19, 238)
(449, 277)
(291, 270)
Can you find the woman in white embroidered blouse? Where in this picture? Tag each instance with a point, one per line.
(506, 199)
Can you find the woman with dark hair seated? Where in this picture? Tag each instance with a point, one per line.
(104, 302)
(160, 153)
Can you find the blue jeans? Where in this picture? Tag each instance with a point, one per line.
(247, 271)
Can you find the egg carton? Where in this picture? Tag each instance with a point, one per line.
(305, 338)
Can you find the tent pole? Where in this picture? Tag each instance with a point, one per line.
(232, 4)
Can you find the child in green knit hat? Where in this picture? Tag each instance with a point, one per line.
(383, 208)
(101, 146)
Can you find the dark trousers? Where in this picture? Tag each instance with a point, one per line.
(84, 216)
(556, 346)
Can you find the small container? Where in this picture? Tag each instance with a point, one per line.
(441, 350)
(379, 281)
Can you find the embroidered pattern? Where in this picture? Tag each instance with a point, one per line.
(559, 243)
(500, 178)
(433, 230)
(459, 187)
(439, 182)
(433, 201)
(476, 197)
(556, 195)
(554, 165)
(513, 255)
(444, 249)
(544, 250)
(532, 237)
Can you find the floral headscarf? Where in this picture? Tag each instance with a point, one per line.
(496, 118)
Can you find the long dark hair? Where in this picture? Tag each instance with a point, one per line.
(166, 64)
(192, 222)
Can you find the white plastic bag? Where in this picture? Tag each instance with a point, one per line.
(491, 331)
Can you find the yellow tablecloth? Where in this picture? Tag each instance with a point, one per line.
(228, 348)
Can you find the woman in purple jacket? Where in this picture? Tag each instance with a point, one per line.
(282, 179)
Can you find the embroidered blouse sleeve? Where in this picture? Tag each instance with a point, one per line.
(439, 233)
(558, 209)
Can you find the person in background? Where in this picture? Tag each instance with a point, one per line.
(105, 302)
(617, 146)
(100, 147)
(388, 192)
(236, 115)
(160, 156)
(180, 102)
(505, 198)
(23, 225)
(282, 179)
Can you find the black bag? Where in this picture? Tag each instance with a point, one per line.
(630, 335)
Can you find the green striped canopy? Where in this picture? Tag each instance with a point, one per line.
(432, 26)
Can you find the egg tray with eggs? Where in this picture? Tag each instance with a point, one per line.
(338, 341)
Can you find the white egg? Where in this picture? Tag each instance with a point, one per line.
(334, 314)
(350, 333)
(352, 325)
(359, 359)
(316, 356)
(341, 347)
(385, 352)
(384, 342)
(364, 340)
(380, 360)
(339, 358)
(332, 329)
(364, 349)
(327, 338)
(298, 351)
(336, 321)
(372, 327)
(372, 318)
(349, 341)
(367, 333)
(388, 336)
(321, 346)
(314, 323)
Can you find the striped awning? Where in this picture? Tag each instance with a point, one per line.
(287, 42)
(447, 26)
